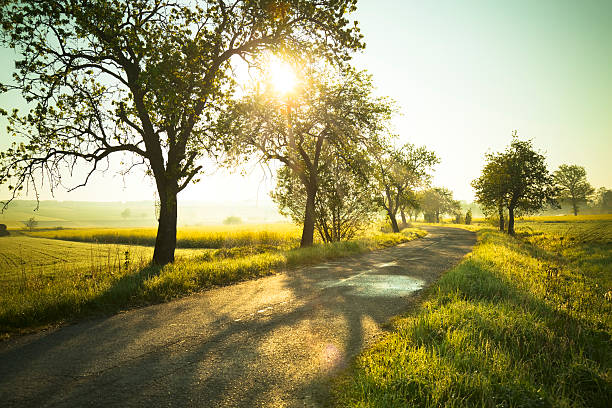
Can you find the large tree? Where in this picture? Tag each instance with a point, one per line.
(146, 78)
(572, 185)
(396, 173)
(334, 112)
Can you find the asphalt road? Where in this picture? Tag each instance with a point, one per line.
(274, 341)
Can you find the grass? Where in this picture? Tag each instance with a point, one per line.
(281, 234)
(523, 321)
(104, 279)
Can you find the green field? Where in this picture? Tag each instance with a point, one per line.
(46, 281)
(522, 321)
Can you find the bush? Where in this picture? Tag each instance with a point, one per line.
(468, 217)
(232, 220)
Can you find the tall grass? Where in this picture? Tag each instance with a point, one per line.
(520, 322)
(281, 234)
(62, 292)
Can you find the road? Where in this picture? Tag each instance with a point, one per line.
(274, 341)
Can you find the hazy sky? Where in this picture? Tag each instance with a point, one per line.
(465, 74)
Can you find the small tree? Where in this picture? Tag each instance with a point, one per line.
(397, 173)
(572, 185)
(125, 214)
(232, 220)
(468, 217)
(31, 223)
(492, 188)
(343, 205)
(436, 202)
(603, 200)
(517, 179)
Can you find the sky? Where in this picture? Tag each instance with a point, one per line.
(464, 74)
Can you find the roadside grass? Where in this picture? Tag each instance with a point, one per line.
(225, 236)
(58, 292)
(521, 321)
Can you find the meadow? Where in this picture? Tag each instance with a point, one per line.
(521, 321)
(50, 281)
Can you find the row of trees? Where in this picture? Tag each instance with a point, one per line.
(155, 80)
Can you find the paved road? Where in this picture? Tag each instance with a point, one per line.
(274, 341)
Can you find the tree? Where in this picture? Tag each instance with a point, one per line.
(492, 187)
(603, 200)
(572, 185)
(335, 111)
(436, 202)
(343, 204)
(516, 179)
(409, 203)
(397, 173)
(127, 213)
(31, 223)
(232, 220)
(145, 78)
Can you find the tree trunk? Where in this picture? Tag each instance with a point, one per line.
(309, 218)
(403, 217)
(394, 226)
(575, 206)
(438, 217)
(165, 243)
(511, 220)
(501, 218)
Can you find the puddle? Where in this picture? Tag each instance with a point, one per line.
(377, 285)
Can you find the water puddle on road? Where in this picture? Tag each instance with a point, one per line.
(375, 285)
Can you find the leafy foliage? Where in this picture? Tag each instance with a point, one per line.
(436, 202)
(329, 120)
(344, 204)
(516, 179)
(397, 173)
(572, 185)
(146, 78)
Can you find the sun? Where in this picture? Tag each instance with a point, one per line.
(282, 76)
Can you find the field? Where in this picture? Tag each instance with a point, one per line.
(280, 234)
(522, 321)
(48, 281)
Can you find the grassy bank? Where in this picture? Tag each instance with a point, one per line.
(522, 321)
(222, 236)
(34, 297)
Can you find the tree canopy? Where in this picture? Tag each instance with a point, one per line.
(572, 185)
(518, 179)
(397, 172)
(146, 78)
(332, 117)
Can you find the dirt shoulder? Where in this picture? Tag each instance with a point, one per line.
(273, 341)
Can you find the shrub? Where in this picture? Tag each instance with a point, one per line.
(468, 217)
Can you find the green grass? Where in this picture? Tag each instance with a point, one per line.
(226, 236)
(521, 322)
(104, 279)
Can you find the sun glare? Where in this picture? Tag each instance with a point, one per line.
(282, 76)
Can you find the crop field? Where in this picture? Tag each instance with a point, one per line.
(45, 281)
(522, 321)
(278, 235)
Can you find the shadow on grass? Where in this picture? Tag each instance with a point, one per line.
(485, 340)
